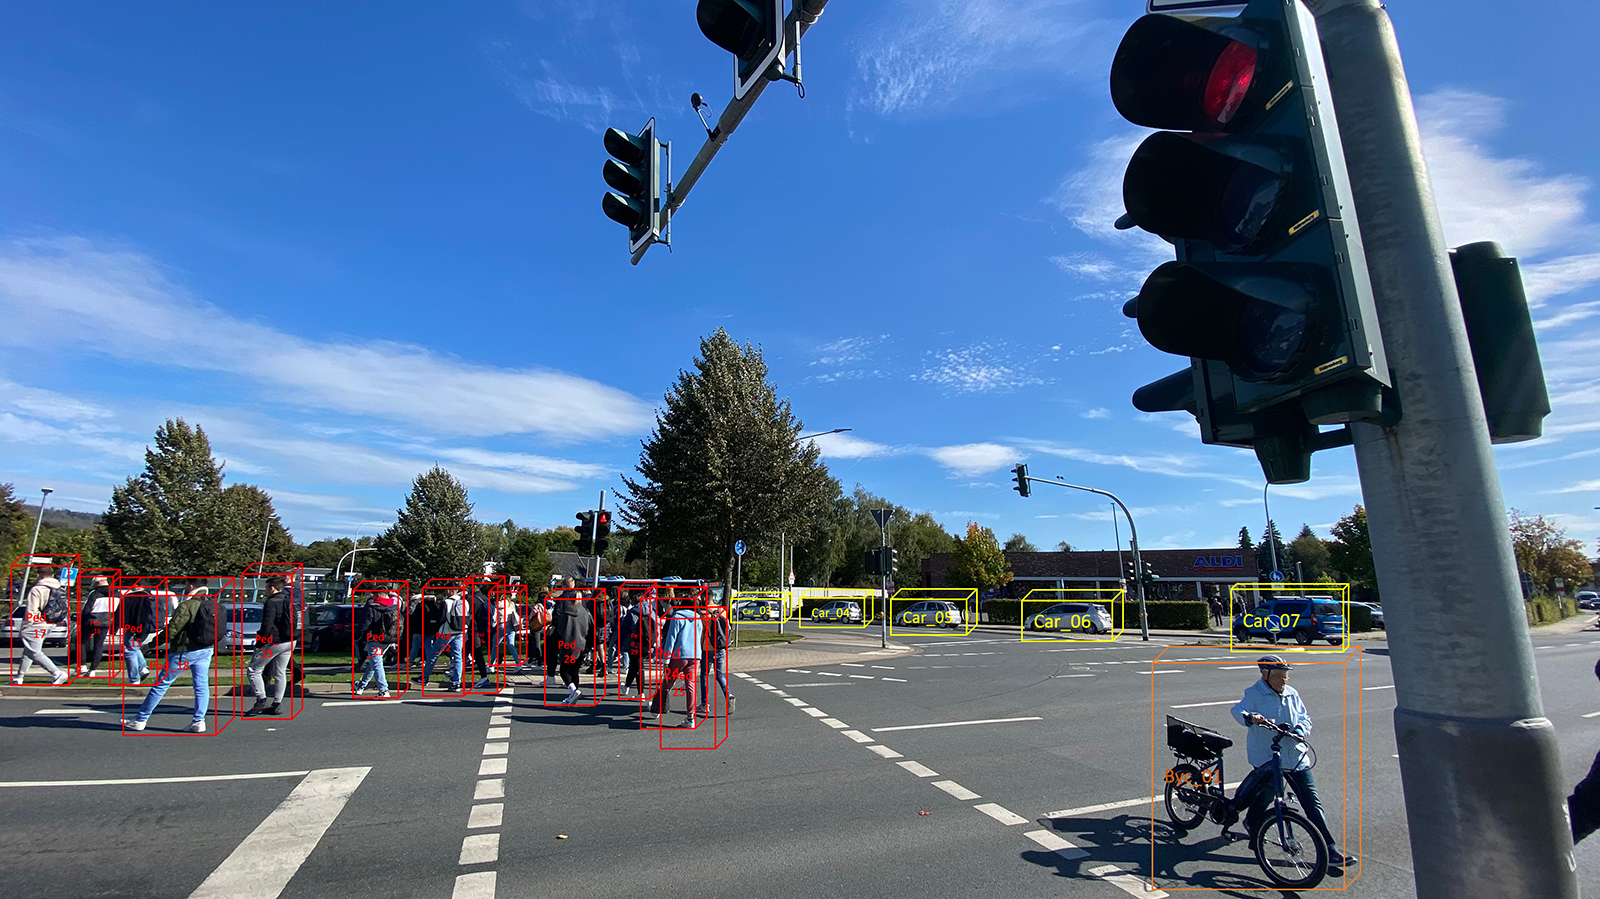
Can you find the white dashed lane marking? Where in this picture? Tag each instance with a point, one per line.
(1001, 813)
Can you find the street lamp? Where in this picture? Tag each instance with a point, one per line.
(337, 565)
(46, 491)
(823, 433)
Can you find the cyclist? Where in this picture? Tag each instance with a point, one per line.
(1272, 700)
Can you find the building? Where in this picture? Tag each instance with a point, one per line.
(1185, 573)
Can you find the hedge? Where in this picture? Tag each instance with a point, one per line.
(1360, 619)
(1164, 614)
(1545, 609)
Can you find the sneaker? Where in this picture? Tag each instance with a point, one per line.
(383, 694)
(83, 670)
(1340, 860)
(61, 678)
(691, 723)
(133, 724)
(730, 706)
(16, 682)
(198, 727)
(486, 682)
(361, 691)
(258, 708)
(143, 673)
(273, 709)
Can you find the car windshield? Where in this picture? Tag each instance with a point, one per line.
(1290, 608)
(246, 614)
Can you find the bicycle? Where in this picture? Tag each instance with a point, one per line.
(1291, 852)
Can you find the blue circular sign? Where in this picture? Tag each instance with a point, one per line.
(1276, 577)
(738, 547)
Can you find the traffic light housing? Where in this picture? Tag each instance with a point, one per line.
(585, 533)
(893, 559)
(752, 30)
(1021, 474)
(1150, 577)
(634, 171)
(1269, 295)
(1130, 574)
(602, 534)
(874, 562)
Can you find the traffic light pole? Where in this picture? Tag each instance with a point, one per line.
(1133, 539)
(1479, 762)
(594, 539)
(883, 543)
(803, 16)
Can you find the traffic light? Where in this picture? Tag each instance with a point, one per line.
(635, 172)
(602, 535)
(585, 533)
(874, 562)
(1021, 473)
(752, 30)
(1269, 295)
(1129, 572)
(893, 560)
(1150, 577)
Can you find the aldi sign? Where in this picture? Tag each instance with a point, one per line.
(1213, 563)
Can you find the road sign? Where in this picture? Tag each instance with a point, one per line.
(791, 578)
(70, 576)
(738, 547)
(882, 516)
(1276, 577)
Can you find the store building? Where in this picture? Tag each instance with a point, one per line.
(1184, 573)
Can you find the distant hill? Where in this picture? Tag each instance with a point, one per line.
(65, 518)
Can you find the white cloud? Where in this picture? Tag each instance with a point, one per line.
(975, 369)
(1100, 413)
(1091, 199)
(1543, 280)
(117, 302)
(1580, 487)
(844, 446)
(973, 459)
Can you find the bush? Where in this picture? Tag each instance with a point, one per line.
(1006, 611)
(1360, 619)
(1166, 615)
(1546, 609)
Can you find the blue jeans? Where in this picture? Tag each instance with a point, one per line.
(1256, 790)
(198, 663)
(373, 666)
(452, 642)
(133, 656)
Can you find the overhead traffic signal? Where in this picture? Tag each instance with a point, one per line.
(1150, 577)
(1269, 294)
(635, 172)
(585, 533)
(1129, 572)
(752, 30)
(874, 562)
(602, 532)
(1021, 474)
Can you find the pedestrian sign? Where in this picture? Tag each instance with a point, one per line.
(1276, 577)
(738, 547)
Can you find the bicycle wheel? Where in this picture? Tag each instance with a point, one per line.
(1187, 802)
(1291, 851)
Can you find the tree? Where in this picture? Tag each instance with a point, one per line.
(1020, 544)
(433, 536)
(1264, 552)
(1308, 550)
(724, 463)
(978, 562)
(527, 556)
(1544, 551)
(1246, 545)
(1350, 550)
(13, 524)
(1063, 547)
(176, 518)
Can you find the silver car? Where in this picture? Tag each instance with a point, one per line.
(930, 613)
(240, 623)
(1072, 616)
(12, 631)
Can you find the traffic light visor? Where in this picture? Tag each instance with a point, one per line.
(1192, 187)
(624, 178)
(1251, 317)
(1172, 73)
(630, 148)
(623, 211)
(736, 26)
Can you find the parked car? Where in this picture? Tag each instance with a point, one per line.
(757, 610)
(1306, 619)
(330, 627)
(930, 613)
(1588, 599)
(838, 610)
(1072, 616)
(1377, 613)
(240, 623)
(12, 633)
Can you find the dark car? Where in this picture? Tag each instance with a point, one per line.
(330, 627)
(1305, 618)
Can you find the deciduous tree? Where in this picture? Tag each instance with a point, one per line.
(978, 562)
(1350, 550)
(1019, 544)
(1544, 551)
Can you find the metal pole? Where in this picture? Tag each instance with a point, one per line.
(783, 582)
(1479, 762)
(1272, 545)
(1133, 536)
(594, 535)
(26, 568)
(883, 542)
(1116, 540)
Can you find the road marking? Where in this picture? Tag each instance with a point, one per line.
(154, 780)
(491, 766)
(815, 713)
(499, 719)
(1125, 882)
(1237, 667)
(1072, 675)
(884, 730)
(898, 680)
(839, 683)
(884, 667)
(1592, 715)
(496, 748)
(859, 665)
(830, 674)
(885, 751)
(1109, 806)
(498, 733)
(479, 848)
(70, 712)
(918, 769)
(743, 675)
(490, 788)
(487, 815)
(857, 736)
(795, 702)
(956, 790)
(479, 885)
(862, 676)
(262, 865)
(1001, 813)
(834, 723)
(797, 671)
(335, 703)
(1055, 844)
(779, 693)
(1201, 705)
(1382, 687)
(1162, 671)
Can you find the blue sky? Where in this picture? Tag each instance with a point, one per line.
(353, 240)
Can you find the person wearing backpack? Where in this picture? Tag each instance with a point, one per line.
(191, 639)
(714, 660)
(482, 637)
(141, 616)
(382, 619)
(447, 624)
(274, 644)
(571, 632)
(45, 607)
(94, 625)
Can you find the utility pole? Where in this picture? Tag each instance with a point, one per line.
(783, 592)
(594, 537)
(1272, 545)
(1479, 763)
(882, 516)
(34, 544)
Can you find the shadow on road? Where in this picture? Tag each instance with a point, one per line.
(1125, 842)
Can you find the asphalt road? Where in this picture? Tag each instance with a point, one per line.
(827, 782)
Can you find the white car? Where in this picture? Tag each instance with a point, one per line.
(12, 631)
(930, 613)
(1072, 616)
(1588, 599)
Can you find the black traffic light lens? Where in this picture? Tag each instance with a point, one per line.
(629, 148)
(1251, 317)
(623, 211)
(624, 178)
(1270, 337)
(1171, 73)
(736, 26)
(1247, 204)
(1193, 187)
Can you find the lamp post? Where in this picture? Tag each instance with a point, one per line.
(1272, 545)
(34, 544)
(337, 565)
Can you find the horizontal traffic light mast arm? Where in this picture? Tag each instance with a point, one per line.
(805, 12)
(1133, 537)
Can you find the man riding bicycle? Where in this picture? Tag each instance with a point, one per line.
(1272, 700)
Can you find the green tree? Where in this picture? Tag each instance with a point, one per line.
(1063, 547)
(1544, 551)
(1019, 544)
(1246, 545)
(244, 515)
(1350, 550)
(13, 524)
(527, 556)
(1310, 552)
(978, 562)
(433, 536)
(1264, 552)
(723, 464)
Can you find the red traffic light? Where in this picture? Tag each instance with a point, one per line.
(603, 518)
(1172, 73)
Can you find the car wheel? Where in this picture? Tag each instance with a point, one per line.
(1304, 637)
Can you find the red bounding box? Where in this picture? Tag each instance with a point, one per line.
(22, 577)
(221, 596)
(558, 654)
(395, 596)
(256, 584)
(97, 625)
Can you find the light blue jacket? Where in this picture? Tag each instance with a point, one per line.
(680, 638)
(1284, 708)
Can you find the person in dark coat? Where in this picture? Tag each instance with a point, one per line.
(1583, 806)
(631, 634)
(571, 629)
(481, 636)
